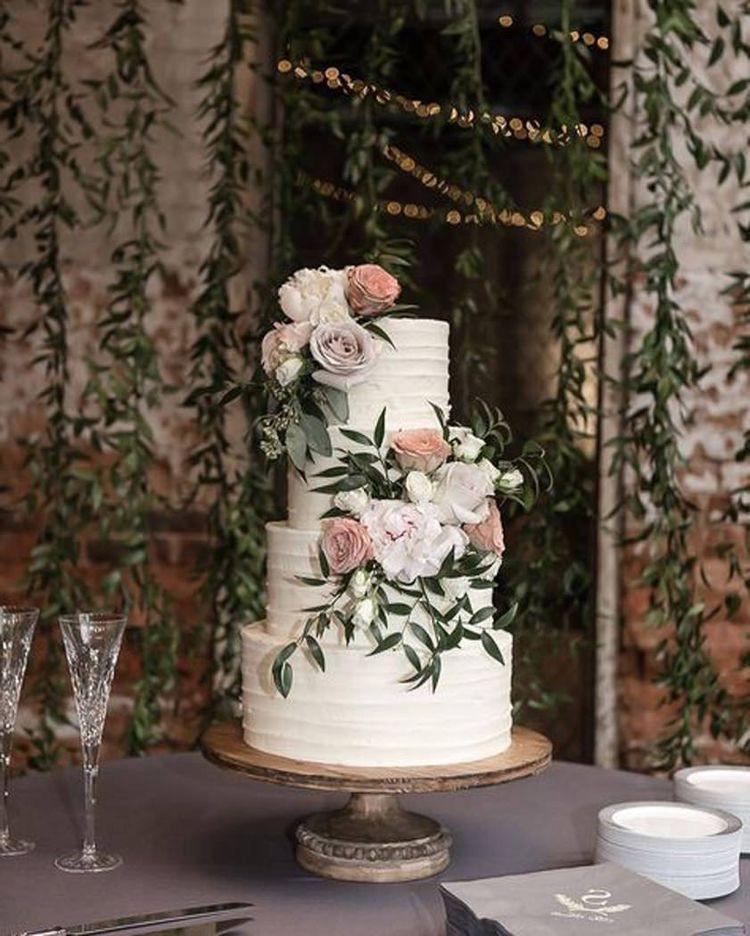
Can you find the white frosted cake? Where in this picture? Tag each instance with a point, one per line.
(361, 710)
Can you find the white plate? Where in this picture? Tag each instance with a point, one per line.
(669, 820)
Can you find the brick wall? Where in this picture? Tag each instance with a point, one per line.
(719, 414)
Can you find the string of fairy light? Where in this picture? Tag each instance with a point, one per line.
(509, 127)
(598, 43)
(474, 209)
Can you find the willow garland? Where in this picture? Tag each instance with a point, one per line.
(238, 501)
(127, 384)
(659, 372)
(39, 101)
(555, 582)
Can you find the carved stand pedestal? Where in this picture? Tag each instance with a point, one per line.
(373, 838)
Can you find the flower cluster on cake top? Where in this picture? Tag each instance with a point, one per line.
(328, 343)
(415, 538)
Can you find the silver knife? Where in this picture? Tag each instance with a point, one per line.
(151, 922)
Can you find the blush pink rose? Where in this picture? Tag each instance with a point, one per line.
(346, 544)
(487, 535)
(420, 449)
(271, 351)
(294, 335)
(370, 289)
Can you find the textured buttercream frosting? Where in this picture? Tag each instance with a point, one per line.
(359, 712)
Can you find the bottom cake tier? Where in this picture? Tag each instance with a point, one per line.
(358, 713)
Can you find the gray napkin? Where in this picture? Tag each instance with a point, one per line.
(595, 899)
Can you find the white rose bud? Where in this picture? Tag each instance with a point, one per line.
(455, 588)
(489, 469)
(364, 612)
(419, 487)
(466, 446)
(509, 481)
(359, 584)
(289, 370)
(353, 502)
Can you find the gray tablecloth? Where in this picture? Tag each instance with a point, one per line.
(191, 833)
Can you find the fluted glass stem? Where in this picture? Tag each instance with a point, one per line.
(5, 741)
(90, 776)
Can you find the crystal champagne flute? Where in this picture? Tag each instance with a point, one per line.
(92, 643)
(16, 630)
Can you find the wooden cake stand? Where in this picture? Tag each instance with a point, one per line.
(373, 838)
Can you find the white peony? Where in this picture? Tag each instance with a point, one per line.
(359, 583)
(408, 539)
(509, 481)
(353, 502)
(489, 469)
(307, 291)
(461, 493)
(466, 446)
(364, 612)
(289, 370)
(419, 487)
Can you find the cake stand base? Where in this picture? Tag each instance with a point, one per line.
(372, 839)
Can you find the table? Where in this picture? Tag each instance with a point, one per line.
(191, 833)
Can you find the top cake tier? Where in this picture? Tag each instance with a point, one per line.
(405, 380)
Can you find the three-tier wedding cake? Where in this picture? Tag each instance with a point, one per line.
(379, 587)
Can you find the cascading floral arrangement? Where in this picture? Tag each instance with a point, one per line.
(329, 343)
(416, 517)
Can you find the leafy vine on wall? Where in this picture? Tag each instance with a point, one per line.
(41, 109)
(237, 498)
(126, 384)
(663, 369)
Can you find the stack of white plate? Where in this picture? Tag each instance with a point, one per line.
(726, 788)
(694, 850)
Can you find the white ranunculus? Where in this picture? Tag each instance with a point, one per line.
(289, 370)
(466, 446)
(419, 487)
(306, 291)
(409, 540)
(509, 481)
(461, 493)
(359, 583)
(489, 469)
(353, 502)
(332, 309)
(364, 612)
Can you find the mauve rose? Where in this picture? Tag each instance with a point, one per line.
(488, 535)
(420, 449)
(346, 544)
(370, 289)
(343, 348)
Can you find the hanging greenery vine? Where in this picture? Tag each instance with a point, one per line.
(237, 496)
(555, 582)
(126, 382)
(42, 114)
(662, 370)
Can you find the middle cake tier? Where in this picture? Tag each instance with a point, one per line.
(292, 553)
